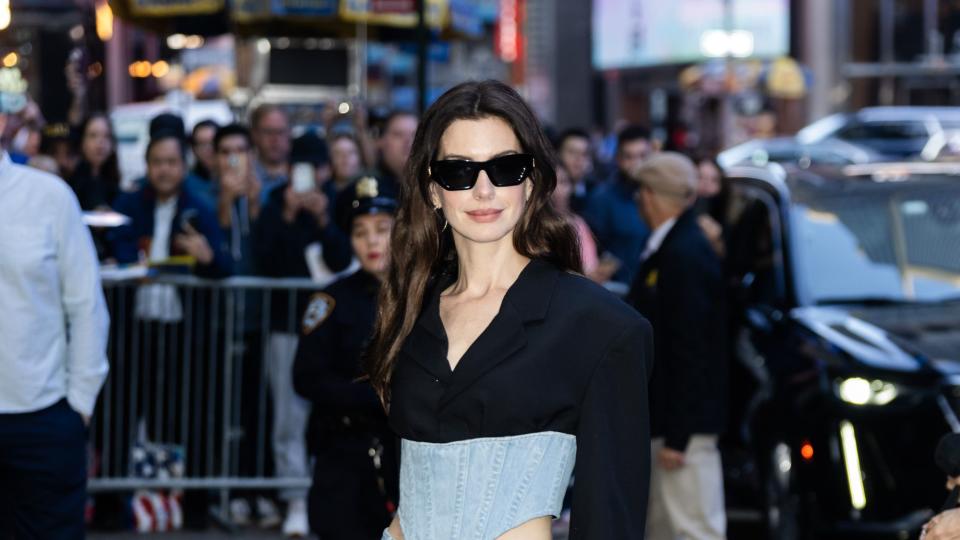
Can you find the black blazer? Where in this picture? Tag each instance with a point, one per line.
(562, 355)
(680, 290)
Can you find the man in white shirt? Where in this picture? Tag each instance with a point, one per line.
(53, 340)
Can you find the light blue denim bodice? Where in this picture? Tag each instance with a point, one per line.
(479, 489)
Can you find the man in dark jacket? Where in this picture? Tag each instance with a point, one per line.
(610, 210)
(167, 220)
(679, 289)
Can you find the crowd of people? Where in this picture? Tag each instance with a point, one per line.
(249, 198)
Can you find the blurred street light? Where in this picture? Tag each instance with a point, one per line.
(10, 60)
(104, 18)
(176, 41)
(193, 42)
(141, 69)
(160, 69)
(4, 14)
(720, 43)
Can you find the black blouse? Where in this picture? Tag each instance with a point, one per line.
(562, 354)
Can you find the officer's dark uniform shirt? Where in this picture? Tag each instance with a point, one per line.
(563, 355)
(337, 324)
(350, 497)
(679, 289)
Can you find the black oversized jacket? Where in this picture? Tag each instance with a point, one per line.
(680, 290)
(561, 355)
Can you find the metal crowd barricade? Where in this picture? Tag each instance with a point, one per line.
(189, 373)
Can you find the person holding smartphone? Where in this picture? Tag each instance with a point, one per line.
(160, 215)
(238, 193)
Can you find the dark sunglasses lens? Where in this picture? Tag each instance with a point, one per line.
(455, 175)
(509, 170)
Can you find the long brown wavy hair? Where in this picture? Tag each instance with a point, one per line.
(421, 249)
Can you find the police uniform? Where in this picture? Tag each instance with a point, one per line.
(355, 472)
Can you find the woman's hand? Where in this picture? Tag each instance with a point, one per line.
(394, 529)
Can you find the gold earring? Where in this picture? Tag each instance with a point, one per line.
(445, 222)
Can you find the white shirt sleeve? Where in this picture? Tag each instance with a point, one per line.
(88, 323)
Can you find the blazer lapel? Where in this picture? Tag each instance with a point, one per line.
(526, 301)
(502, 338)
(427, 342)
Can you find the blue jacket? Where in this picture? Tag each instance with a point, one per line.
(139, 206)
(614, 219)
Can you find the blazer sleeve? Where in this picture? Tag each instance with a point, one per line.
(316, 378)
(690, 294)
(613, 442)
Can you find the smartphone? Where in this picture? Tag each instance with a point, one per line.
(238, 164)
(303, 177)
(191, 218)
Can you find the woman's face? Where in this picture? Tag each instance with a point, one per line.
(484, 213)
(561, 194)
(344, 159)
(370, 238)
(97, 144)
(708, 182)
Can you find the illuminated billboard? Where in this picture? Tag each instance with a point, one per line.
(636, 33)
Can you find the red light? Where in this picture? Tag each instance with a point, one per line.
(507, 32)
(806, 451)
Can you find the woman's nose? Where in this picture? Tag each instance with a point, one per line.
(484, 189)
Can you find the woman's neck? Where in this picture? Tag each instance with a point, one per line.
(487, 266)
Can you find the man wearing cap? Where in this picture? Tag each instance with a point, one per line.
(53, 357)
(679, 289)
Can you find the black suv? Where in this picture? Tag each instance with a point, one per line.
(845, 299)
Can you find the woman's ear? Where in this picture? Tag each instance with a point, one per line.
(527, 189)
(434, 196)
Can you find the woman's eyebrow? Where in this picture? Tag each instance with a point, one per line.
(458, 157)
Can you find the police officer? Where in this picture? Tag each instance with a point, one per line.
(355, 474)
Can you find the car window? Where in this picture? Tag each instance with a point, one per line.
(883, 131)
(896, 241)
(754, 247)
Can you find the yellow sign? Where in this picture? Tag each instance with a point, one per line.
(376, 12)
(172, 8)
(652, 278)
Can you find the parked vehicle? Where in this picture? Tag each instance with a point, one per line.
(901, 132)
(788, 150)
(845, 303)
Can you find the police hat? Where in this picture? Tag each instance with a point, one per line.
(364, 196)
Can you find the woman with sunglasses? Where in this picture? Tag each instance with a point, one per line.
(501, 368)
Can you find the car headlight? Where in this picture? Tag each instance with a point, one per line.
(860, 391)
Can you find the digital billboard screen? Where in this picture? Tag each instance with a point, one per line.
(636, 33)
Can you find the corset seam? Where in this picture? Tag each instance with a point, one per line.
(491, 492)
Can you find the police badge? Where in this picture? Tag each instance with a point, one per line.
(321, 306)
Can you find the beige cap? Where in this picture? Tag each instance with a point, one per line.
(667, 173)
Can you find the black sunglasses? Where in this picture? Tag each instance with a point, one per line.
(460, 175)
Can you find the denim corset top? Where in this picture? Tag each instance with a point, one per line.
(481, 488)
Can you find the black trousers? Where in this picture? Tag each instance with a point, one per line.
(43, 474)
(344, 502)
